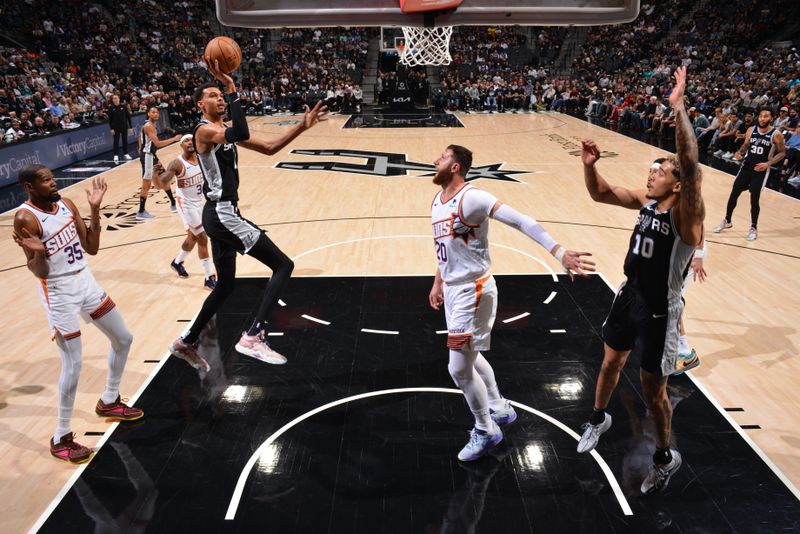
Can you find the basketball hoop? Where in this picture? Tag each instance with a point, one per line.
(426, 46)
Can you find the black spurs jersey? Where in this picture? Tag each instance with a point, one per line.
(760, 149)
(220, 170)
(148, 147)
(658, 259)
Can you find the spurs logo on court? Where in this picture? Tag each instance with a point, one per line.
(389, 164)
(116, 220)
(123, 214)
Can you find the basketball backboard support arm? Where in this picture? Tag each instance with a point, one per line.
(322, 13)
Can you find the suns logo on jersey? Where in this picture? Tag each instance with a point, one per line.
(190, 181)
(61, 239)
(452, 227)
(443, 228)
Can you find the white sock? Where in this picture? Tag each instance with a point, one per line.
(71, 360)
(485, 371)
(181, 256)
(462, 370)
(207, 266)
(113, 326)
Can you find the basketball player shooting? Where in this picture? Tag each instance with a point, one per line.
(647, 308)
(216, 145)
(463, 283)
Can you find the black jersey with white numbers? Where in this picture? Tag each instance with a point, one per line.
(657, 259)
(220, 170)
(760, 149)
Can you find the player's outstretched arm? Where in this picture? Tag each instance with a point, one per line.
(599, 189)
(150, 131)
(573, 262)
(310, 118)
(691, 209)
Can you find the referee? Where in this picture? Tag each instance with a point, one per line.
(119, 120)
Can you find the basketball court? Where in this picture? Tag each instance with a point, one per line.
(359, 431)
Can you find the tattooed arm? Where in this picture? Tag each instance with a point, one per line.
(780, 152)
(691, 210)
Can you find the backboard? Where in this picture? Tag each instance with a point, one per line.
(320, 13)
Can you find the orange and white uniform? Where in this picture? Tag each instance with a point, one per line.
(461, 242)
(70, 289)
(189, 193)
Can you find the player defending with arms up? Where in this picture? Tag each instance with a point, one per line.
(230, 233)
(648, 305)
(55, 240)
(460, 218)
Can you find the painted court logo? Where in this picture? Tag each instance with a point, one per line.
(389, 164)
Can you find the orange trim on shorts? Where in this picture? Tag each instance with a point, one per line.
(479, 289)
(44, 289)
(457, 341)
(72, 335)
(106, 306)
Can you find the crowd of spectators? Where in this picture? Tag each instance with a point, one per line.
(491, 70)
(149, 53)
(305, 66)
(734, 68)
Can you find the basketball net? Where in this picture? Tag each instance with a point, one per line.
(426, 46)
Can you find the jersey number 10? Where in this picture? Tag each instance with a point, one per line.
(647, 246)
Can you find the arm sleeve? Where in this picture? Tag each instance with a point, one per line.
(476, 206)
(238, 130)
(525, 224)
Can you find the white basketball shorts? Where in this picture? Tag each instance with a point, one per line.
(470, 309)
(68, 296)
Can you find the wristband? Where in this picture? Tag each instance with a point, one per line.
(560, 255)
(700, 253)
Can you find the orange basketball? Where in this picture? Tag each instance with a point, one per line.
(226, 51)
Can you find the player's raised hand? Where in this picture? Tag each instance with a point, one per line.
(676, 96)
(575, 263)
(590, 152)
(216, 72)
(313, 116)
(27, 241)
(95, 196)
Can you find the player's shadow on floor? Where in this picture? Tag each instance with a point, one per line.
(776, 338)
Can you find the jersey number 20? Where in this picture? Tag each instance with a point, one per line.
(441, 251)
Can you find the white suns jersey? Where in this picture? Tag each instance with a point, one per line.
(462, 250)
(190, 182)
(59, 234)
